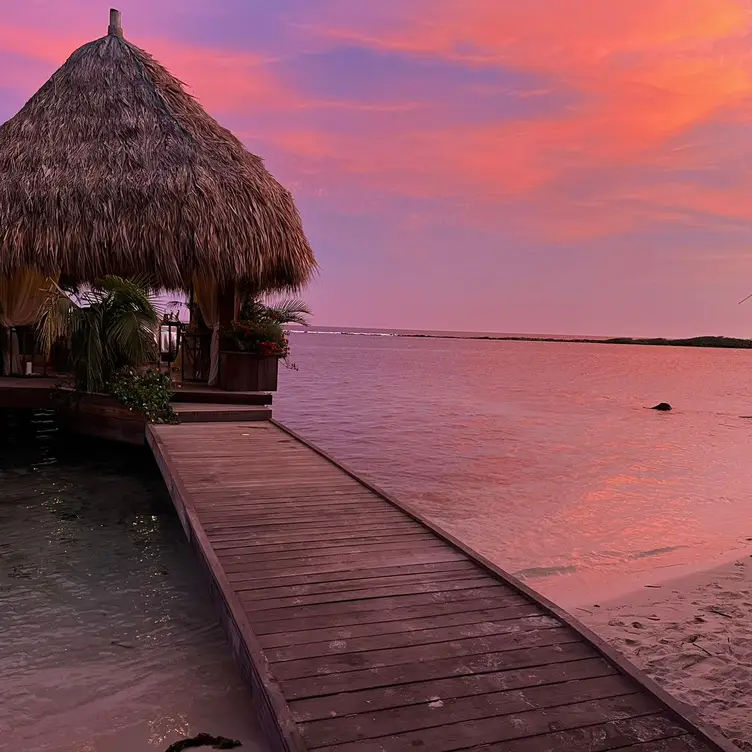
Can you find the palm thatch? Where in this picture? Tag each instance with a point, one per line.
(113, 168)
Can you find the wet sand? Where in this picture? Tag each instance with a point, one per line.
(693, 635)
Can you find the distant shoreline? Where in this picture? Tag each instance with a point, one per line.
(707, 341)
(732, 342)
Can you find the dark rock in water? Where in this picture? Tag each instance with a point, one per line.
(204, 740)
(664, 406)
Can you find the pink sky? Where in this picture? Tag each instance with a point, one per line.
(557, 166)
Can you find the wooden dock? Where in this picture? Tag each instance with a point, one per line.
(361, 627)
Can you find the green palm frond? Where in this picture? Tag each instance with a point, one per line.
(114, 326)
(290, 311)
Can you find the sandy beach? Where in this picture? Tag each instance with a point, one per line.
(693, 635)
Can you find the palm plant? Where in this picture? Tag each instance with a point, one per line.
(110, 326)
(287, 311)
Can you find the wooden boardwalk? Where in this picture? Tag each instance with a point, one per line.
(359, 627)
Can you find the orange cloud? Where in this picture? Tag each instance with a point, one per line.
(647, 73)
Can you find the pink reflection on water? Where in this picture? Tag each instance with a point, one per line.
(542, 456)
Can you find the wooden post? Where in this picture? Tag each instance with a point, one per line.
(226, 304)
(114, 29)
(236, 306)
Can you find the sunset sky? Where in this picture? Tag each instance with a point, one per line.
(548, 166)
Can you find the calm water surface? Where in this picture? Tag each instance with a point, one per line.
(542, 456)
(109, 641)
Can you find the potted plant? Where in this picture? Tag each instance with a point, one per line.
(253, 346)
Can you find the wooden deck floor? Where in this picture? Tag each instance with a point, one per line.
(359, 628)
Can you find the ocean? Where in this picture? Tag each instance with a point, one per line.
(109, 641)
(542, 455)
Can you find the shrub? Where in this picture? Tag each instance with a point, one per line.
(149, 393)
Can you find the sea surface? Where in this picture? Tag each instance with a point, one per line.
(543, 456)
(109, 642)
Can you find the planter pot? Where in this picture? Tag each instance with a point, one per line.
(101, 416)
(245, 372)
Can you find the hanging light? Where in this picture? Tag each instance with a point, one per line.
(170, 331)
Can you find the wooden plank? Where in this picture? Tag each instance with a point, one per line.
(352, 681)
(307, 545)
(390, 591)
(317, 529)
(418, 693)
(250, 555)
(415, 637)
(339, 664)
(469, 734)
(403, 626)
(345, 619)
(286, 505)
(283, 580)
(683, 743)
(374, 583)
(488, 595)
(443, 712)
(337, 564)
(315, 491)
(335, 571)
(261, 504)
(249, 558)
(303, 535)
(291, 518)
(659, 732)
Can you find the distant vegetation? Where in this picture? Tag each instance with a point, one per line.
(733, 342)
(690, 342)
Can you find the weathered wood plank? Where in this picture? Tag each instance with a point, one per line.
(682, 743)
(659, 732)
(300, 519)
(445, 711)
(336, 564)
(400, 626)
(346, 503)
(250, 555)
(352, 681)
(412, 588)
(316, 530)
(339, 618)
(383, 698)
(468, 734)
(308, 545)
(338, 664)
(376, 606)
(283, 580)
(372, 583)
(416, 637)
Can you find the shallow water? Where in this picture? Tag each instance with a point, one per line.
(109, 640)
(542, 456)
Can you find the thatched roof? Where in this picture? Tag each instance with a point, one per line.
(111, 167)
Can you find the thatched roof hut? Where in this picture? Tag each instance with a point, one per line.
(111, 167)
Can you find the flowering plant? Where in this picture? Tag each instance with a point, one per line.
(260, 328)
(264, 338)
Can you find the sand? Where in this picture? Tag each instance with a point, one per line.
(694, 637)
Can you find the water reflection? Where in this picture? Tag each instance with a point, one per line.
(541, 455)
(109, 639)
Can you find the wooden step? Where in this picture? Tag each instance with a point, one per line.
(200, 412)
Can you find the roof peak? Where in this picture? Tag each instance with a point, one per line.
(115, 29)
